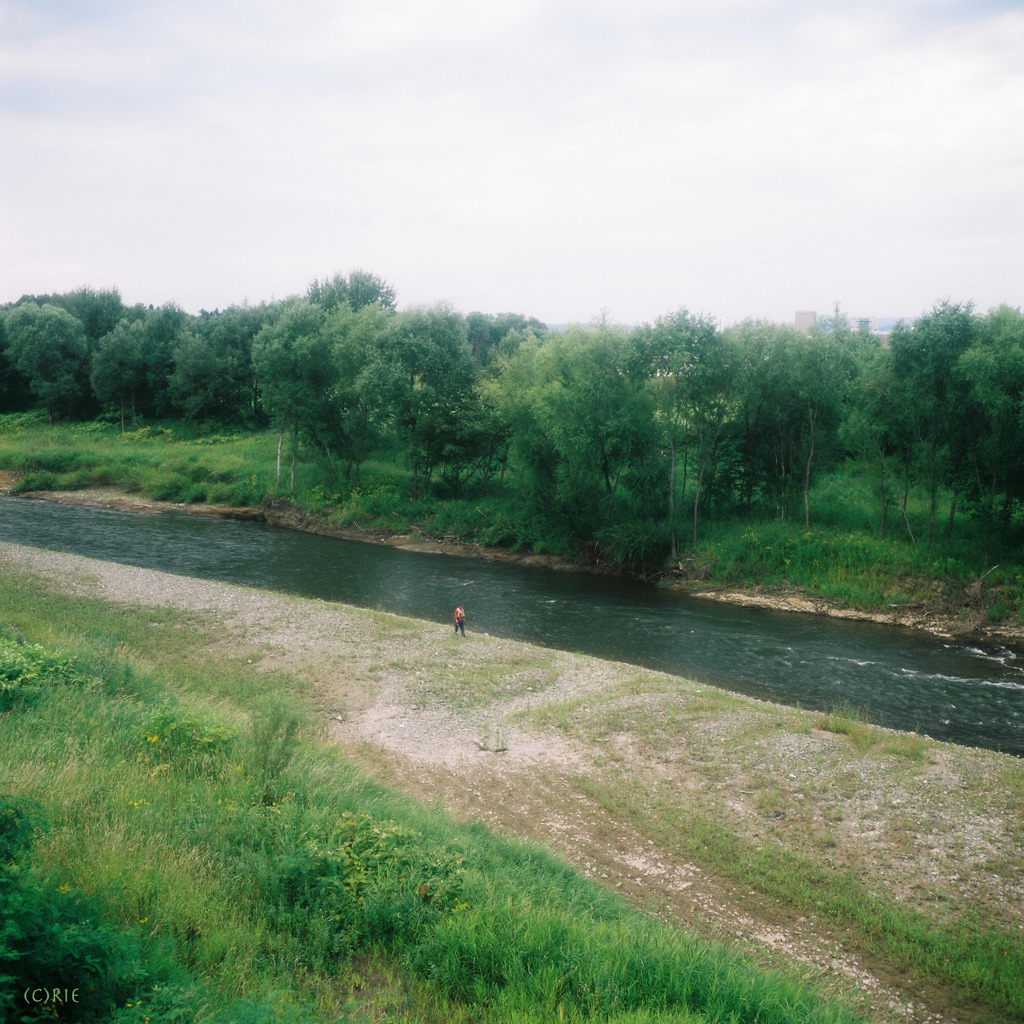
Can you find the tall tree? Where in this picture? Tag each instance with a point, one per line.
(581, 425)
(199, 385)
(823, 367)
(753, 343)
(163, 329)
(15, 393)
(932, 397)
(118, 366)
(344, 421)
(868, 428)
(359, 289)
(421, 371)
(683, 356)
(48, 345)
(487, 331)
(991, 373)
(99, 311)
(229, 334)
(292, 363)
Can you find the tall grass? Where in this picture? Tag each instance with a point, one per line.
(853, 569)
(165, 463)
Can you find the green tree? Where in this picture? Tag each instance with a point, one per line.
(487, 331)
(118, 366)
(293, 365)
(163, 329)
(230, 334)
(200, 385)
(869, 429)
(754, 346)
(343, 422)
(99, 311)
(15, 393)
(931, 400)
(991, 374)
(690, 379)
(581, 425)
(361, 288)
(420, 372)
(823, 368)
(47, 344)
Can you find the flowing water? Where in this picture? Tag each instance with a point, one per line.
(963, 692)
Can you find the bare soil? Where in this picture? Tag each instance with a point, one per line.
(605, 764)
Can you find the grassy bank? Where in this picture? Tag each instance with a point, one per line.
(239, 868)
(841, 559)
(180, 846)
(174, 462)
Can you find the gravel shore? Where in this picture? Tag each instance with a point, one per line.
(590, 757)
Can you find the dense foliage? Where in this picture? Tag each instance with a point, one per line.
(630, 440)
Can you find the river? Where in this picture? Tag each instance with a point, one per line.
(962, 692)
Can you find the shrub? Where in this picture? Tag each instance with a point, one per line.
(27, 669)
(271, 744)
(192, 745)
(173, 488)
(997, 612)
(52, 939)
(637, 543)
(339, 884)
(36, 481)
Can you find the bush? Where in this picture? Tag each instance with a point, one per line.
(56, 957)
(193, 746)
(35, 481)
(27, 669)
(271, 744)
(637, 543)
(244, 494)
(336, 884)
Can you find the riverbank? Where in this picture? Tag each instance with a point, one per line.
(813, 842)
(963, 617)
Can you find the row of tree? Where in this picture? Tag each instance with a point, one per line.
(608, 430)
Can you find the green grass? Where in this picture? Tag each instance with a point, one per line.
(854, 723)
(985, 964)
(235, 868)
(164, 463)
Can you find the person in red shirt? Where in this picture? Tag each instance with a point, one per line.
(460, 620)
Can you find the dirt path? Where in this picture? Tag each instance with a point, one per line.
(606, 764)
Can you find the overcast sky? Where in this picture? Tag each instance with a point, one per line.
(558, 159)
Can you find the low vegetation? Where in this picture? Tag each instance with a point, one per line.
(176, 847)
(181, 842)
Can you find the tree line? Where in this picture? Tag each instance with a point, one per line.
(630, 438)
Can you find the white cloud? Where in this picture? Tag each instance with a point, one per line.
(556, 158)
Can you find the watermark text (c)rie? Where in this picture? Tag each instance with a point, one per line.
(51, 996)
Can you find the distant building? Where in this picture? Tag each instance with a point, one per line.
(804, 319)
(865, 324)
